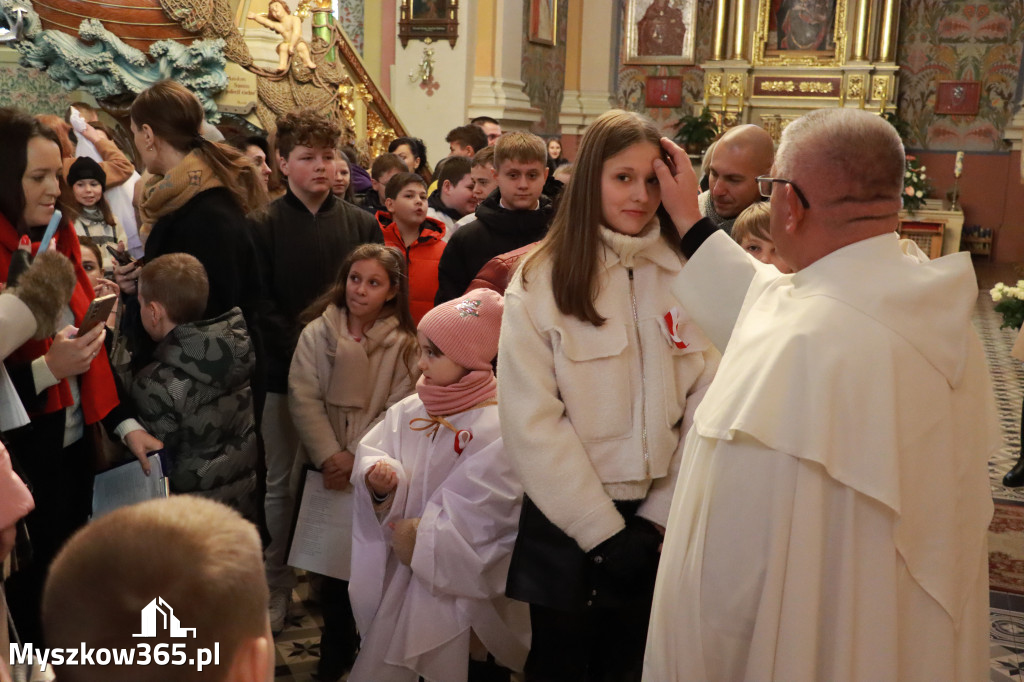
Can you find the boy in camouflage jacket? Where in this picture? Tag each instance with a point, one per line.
(195, 395)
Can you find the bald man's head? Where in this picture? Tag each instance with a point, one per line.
(739, 156)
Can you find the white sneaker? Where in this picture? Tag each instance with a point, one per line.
(279, 602)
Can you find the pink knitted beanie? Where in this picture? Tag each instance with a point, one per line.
(466, 329)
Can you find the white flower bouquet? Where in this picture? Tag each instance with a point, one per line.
(1009, 302)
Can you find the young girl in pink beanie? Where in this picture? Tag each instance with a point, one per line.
(436, 511)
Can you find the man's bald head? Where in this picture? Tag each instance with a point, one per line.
(739, 156)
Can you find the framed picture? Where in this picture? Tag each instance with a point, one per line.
(434, 19)
(543, 21)
(800, 33)
(660, 31)
(958, 98)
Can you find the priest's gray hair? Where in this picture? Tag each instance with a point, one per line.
(849, 146)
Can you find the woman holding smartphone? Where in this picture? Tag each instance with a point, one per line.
(63, 379)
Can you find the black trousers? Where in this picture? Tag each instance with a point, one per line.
(61, 483)
(585, 626)
(339, 640)
(596, 645)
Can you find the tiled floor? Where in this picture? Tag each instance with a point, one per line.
(298, 646)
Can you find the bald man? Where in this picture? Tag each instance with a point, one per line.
(739, 156)
(833, 500)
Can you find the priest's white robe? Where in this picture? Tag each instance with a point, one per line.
(830, 516)
(416, 620)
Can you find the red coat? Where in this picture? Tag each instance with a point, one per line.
(422, 258)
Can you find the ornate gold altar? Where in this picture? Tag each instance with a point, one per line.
(803, 55)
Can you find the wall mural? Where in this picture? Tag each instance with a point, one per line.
(543, 72)
(350, 16)
(959, 40)
(632, 78)
(32, 91)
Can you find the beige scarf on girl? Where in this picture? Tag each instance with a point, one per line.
(164, 194)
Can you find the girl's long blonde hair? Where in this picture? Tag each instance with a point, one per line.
(573, 242)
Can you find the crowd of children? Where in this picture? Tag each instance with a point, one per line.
(496, 525)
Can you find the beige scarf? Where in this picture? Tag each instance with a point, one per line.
(164, 194)
(351, 383)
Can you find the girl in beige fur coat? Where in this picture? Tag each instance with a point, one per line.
(355, 358)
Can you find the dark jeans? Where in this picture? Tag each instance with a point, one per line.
(339, 641)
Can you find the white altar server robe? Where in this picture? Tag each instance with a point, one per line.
(416, 620)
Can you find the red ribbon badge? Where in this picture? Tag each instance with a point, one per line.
(672, 323)
(462, 439)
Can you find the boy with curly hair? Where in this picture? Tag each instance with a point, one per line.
(301, 239)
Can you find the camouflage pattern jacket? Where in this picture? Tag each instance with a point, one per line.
(195, 397)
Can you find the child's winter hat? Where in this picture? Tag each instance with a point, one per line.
(85, 168)
(466, 329)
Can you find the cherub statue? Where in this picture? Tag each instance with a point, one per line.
(280, 19)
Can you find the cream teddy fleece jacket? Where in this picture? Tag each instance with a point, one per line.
(591, 414)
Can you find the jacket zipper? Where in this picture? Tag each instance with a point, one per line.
(643, 380)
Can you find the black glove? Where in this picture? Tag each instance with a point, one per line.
(20, 260)
(625, 564)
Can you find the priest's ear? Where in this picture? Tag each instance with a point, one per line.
(790, 211)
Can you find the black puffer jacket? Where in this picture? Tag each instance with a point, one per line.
(495, 231)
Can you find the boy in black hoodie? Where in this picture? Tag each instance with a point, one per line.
(514, 215)
(301, 239)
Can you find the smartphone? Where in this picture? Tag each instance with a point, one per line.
(98, 312)
(122, 257)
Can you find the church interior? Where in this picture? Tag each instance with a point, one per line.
(948, 74)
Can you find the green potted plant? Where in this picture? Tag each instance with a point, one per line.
(696, 133)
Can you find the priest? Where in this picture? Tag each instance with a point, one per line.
(830, 516)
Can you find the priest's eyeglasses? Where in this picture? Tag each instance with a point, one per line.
(765, 183)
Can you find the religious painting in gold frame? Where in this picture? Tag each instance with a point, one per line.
(800, 33)
(660, 31)
(433, 19)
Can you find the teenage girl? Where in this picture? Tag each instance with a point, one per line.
(342, 186)
(355, 358)
(601, 370)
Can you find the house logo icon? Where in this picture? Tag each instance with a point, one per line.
(159, 614)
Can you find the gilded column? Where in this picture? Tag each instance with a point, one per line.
(720, 14)
(888, 29)
(740, 37)
(861, 38)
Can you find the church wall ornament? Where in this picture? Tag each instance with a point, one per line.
(434, 19)
(198, 43)
(801, 33)
(660, 31)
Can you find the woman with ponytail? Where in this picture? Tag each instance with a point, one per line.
(194, 200)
